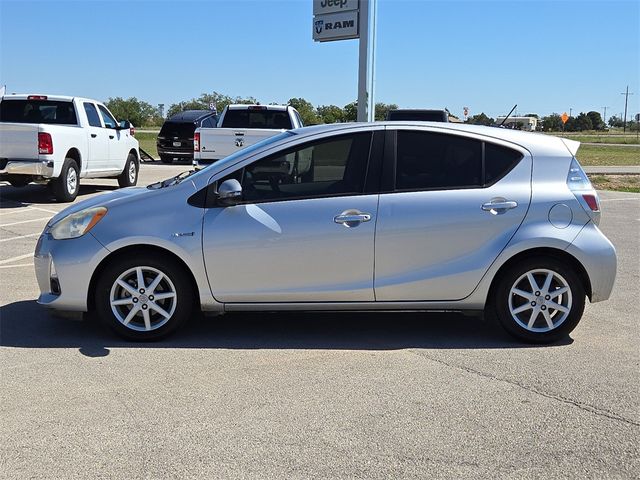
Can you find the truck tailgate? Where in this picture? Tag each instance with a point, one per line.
(217, 143)
(19, 140)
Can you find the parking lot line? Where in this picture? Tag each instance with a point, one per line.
(14, 259)
(18, 238)
(24, 221)
(18, 265)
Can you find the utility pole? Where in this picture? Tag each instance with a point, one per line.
(366, 101)
(570, 110)
(604, 118)
(624, 120)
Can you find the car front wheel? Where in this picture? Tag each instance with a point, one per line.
(539, 300)
(129, 175)
(144, 298)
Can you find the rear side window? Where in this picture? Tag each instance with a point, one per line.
(92, 114)
(38, 111)
(209, 122)
(498, 161)
(177, 130)
(428, 160)
(269, 119)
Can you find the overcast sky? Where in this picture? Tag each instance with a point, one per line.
(488, 55)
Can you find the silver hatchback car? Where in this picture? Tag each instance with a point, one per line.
(378, 216)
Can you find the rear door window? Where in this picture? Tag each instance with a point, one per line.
(38, 111)
(92, 114)
(427, 160)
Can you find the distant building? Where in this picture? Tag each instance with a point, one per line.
(520, 123)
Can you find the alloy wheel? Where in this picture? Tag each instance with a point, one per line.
(540, 300)
(143, 298)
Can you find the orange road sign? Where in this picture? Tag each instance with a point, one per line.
(564, 117)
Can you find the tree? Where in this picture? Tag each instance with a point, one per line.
(382, 109)
(615, 121)
(202, 102)
(480, 119)
(596, 120)
(350, 112)
(552, 123)
(330, 114)
(138, 112)
(583, 122)
(306, 110)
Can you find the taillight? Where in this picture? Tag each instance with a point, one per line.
(132, 131)
(196, 142)
(592, 201)
(37, 97)
(581, 187)
(45, 143)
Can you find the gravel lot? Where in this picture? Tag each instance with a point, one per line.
(313, 395)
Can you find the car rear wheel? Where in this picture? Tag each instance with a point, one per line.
(65, 187)
(540, 300)
(129, 175)
(144, 298)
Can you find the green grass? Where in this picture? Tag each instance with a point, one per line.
(594, 155)
(148, 142)
(620, 183)
(603, 138)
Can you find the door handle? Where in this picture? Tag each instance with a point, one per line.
(499, 205)
(94, 135)
(111, 137)
(351, 218)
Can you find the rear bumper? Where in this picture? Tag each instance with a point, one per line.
(598, 256)
(38, 168)
(172, 152)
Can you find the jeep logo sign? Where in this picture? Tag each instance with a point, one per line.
(321, 7)
(335, 26)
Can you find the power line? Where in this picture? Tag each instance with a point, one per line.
(626, 98)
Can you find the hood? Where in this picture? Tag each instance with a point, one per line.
(102, 200)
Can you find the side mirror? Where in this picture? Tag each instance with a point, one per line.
(124, 124)
(229, 192)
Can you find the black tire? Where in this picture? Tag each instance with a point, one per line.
(62, 187)
(165, 159)
(129, 175)
(547, 327)
(175, 279)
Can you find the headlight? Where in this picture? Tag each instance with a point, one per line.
(77, 224)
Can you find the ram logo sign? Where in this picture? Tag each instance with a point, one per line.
(335, 26)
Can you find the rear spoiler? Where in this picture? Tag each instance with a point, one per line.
(571, 145)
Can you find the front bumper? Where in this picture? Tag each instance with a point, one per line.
(74, 261)
(37, 168)
(598, 256)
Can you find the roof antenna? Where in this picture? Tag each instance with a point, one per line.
(509, 114)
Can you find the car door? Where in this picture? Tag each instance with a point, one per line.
(118, 144)
(453, 202)
(303, 231)
(97, 140)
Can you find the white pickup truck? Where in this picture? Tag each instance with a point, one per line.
(58, 140)
(240, 126)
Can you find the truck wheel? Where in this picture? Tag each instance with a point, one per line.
(65, 187)
(129, 176)
(165, 159)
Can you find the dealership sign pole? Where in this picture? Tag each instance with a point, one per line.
(343, 20)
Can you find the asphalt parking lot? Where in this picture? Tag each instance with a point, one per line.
(313, 395)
